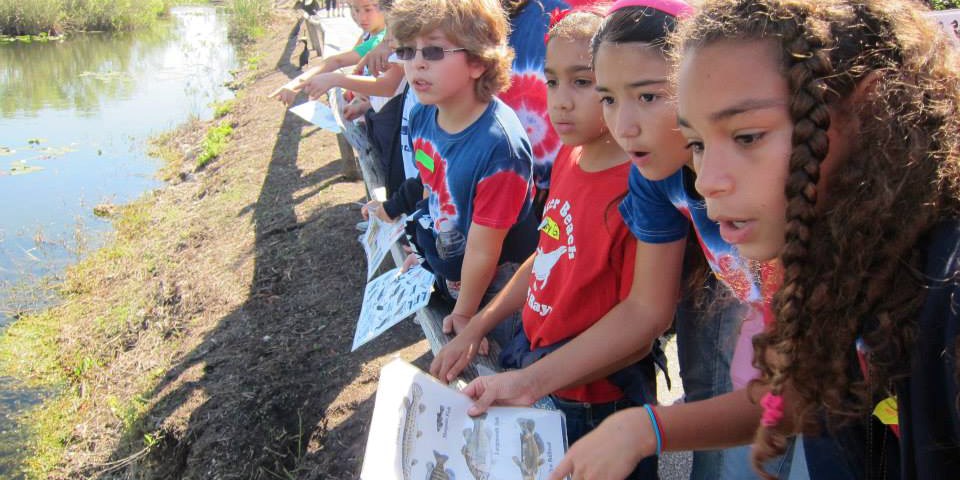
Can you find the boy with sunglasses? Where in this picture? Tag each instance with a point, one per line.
(474, 224)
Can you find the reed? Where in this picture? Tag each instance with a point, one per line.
(36, 17)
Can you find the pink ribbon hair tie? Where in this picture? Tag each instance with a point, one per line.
(677, 8)
(772, 409)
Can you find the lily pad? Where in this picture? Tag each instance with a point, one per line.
(5, 151)
(36, 141)
(21, 168)
(52, 152)
(103, 76)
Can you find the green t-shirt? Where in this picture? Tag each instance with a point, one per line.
(371, 42)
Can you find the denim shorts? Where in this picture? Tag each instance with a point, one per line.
(582, 418)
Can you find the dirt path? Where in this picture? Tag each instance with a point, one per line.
(271, 389)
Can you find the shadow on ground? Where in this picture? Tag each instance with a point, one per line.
(272, 391)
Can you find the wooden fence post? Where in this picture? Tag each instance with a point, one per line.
(349, 168)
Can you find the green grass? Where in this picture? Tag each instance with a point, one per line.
(67, 348)
(214, 143)
(249, 18)
(221, 109)
(30, 20)
(35, 17)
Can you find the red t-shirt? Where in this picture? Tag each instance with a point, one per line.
(584, 262)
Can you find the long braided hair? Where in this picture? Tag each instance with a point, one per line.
(851, 259)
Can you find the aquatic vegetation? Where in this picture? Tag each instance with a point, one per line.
(221, 109)
(214, 143)
(30, 21)
(21, 168)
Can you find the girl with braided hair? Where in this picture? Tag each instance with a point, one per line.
(852, 139)
(825, 136)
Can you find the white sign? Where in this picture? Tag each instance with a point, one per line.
(318, 114)
(389, 299)
(421, 430)
(378, 239)
(950, 21)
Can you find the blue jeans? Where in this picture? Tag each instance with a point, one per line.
(582, 418)
(706, 337)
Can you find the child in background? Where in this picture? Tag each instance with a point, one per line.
(387, 123)
(475, 224)
(583, 265)
(825, 135)
(371, 20)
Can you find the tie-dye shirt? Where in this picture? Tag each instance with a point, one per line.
(481, 176)
(527, 94)
(662, 211)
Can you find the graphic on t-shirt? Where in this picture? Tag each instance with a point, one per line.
(550, 227)
(751, 282)
(433, 171)
(554, 229)
(543, 263)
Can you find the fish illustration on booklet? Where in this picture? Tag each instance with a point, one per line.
(409, 433)
(439, 471)
(476, 452)
(407, 443)
(531, 449)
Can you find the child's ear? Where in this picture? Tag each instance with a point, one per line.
(477, 68)
(866, 86)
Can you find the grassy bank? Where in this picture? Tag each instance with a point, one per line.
(57, 16)
(119, 299)
(53, 17)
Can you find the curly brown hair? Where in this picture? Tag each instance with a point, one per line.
(479, 26)
(852, 261)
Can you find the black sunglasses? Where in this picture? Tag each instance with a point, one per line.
(432, 53)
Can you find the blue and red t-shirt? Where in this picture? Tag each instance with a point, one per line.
(662, 211)
(481, 176)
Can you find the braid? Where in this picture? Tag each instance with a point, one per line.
(807, 66)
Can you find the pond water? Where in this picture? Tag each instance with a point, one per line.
(75, 120)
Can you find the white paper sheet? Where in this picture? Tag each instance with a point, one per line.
(390, 298)
(421, 430)
(378, 239)
(318, 114)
